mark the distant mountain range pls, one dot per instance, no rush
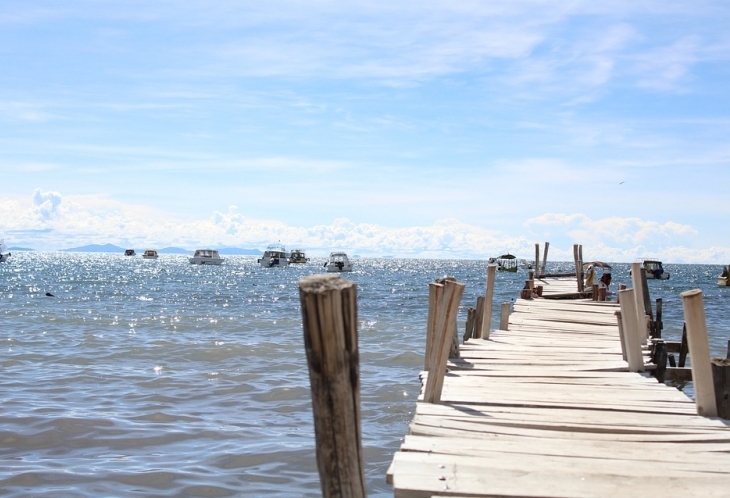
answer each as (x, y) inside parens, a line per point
(166, 250)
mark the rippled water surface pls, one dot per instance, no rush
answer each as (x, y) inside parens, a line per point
(160, 378)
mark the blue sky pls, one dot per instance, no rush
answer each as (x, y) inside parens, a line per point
(411, 129)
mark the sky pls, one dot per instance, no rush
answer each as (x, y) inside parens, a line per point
(429, 129)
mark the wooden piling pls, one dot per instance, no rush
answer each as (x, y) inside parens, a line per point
(658, 324)
(721, 381)
(488, 302)
(639, 297)
(469, 328)
(536, 268)
(329, 321)
(504, 316)
(445, 328)
(699, 352)
(631, 331)
(577, 259)
(477, 334)
(544, 259)
(659, 357)
(434, 296)
(683, 347)
(617, 314)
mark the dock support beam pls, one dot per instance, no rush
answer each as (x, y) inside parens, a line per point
(446, 309)
(631, 331)
(504, 316)
(488, 302)
(329, 320)
(699, 352)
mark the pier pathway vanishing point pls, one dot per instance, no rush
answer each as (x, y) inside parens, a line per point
(549, 408)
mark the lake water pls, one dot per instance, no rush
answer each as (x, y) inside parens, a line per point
(161, 378)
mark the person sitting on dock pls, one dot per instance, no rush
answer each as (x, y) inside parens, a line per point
(605, 281)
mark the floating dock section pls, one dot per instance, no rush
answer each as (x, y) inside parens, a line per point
(550, 408)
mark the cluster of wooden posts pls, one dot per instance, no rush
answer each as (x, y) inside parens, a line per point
(329, 313)
(639, 331)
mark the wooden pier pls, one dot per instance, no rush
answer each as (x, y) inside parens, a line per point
(550, 408)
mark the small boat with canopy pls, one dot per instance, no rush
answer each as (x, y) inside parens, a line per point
(505, 262)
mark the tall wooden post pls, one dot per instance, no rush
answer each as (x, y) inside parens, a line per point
(621, 336)
(329, 320)
(699, 352)
(488, 302)
(445, 328)
(537, 259)
(544, 259)
(630, 329)
(434, 296)
(721, 377)
(504, 316)
(478, 318)
(578, 259)
(469, 328)
(639, 297)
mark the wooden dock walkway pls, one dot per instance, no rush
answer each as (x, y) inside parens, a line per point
(549, 408)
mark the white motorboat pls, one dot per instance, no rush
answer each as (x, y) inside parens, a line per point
(206, 257)
(654, 269)
(338, 262)
(4, 251)
(150, 254)
(130, 252)
(724, 278)
(505, 262)
(274, 257)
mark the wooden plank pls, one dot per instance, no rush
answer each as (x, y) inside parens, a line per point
(417, 474)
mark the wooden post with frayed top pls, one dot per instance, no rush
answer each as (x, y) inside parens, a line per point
(329, 320)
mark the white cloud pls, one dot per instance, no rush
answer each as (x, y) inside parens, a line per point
(611, 230)
(51, 221)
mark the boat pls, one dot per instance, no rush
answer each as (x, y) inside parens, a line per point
(150, 254)
(206, 257)
(654, 269)
(298, 256)
(130, 252)
(505, 262)
(274, 257)
(724, 278)
(338, 262)
(4, 252)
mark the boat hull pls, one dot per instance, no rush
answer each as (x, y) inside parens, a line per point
(723, 281)
(337, 269)
(205, 261)
(652, 276)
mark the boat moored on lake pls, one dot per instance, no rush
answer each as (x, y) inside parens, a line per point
(4, 252)
(130, 252)
(274, 257)
(150, 254)
(338, 262)
(505, 262)
(206, 257)
(298, 256)
(724, 279)
(654, 269)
